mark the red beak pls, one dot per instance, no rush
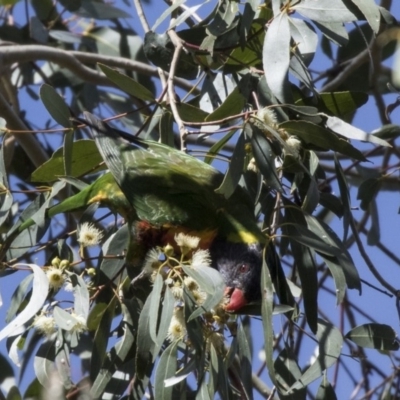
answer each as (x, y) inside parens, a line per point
(236, 299)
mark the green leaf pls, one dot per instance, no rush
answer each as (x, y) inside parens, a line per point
(210, 281)
(145, 344)
(127, 84)
(264, 156)
(235, 169)
(287, 373)
(326, 391)
(389, 131)
(101, 11)
(166, 13)
(340, 104)
(165, 319)
(166, 369)
(232, 105)
(266, 313)
(374, 235)
(154, 306)
(305, 37)
(43, 363)
(217, 146)
(64, 319)
(245, 360)
(193, 326)
(63, 363)
(40, 289)
(344, 196)
(18, 297)
(6, 198)
(324, 11)
(100, 341)
(81, 295)
(371, 12)
(85, 158)
(190, 113)
(113, 368)
(344, 261)
(276, 63)
(351, 132)
(368, 191)
(306, 237)
(323, 138)
(330, 345)
(374, 336)
(55, 105)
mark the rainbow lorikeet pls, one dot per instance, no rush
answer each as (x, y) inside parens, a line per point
(171, 191)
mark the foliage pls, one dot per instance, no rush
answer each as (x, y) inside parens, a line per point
(230, 81)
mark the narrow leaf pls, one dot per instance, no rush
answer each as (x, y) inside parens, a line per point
(276, 63)
(40, 288)
(55, 105)
(330, 345)
(166, 369)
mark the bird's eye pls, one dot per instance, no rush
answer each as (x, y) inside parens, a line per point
(244, 268)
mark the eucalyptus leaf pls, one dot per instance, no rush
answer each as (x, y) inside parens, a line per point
(55, 105)
(276, 64)
(40, 288)
(374, 336)
(127, 84)
(85, 157)
(235, 169)
(325, 11)
(330, 345)
(166, 369)
(325, 391)
(211, 282)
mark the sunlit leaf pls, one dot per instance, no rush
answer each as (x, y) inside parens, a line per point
(40, 287)
(325, 11)
(276, 64)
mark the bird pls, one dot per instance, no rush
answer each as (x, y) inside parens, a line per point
(170, 191)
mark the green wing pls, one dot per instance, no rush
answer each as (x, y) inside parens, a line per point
(167, 186)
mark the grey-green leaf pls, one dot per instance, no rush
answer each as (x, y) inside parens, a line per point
(55, 105)
(324, 11)
(166, 369)
(330, 345)
(40, 288)
(374, 336)
(276, 63)
(209, 280)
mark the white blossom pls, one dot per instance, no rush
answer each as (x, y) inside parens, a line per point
(44, 324)
(80, 323)
(55, 277)
(89, 235)
(152, 260)
(201, 258)
(186, 242)
(177, 327)
(268, 116)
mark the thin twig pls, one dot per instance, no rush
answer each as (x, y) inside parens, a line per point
(171, 90)
(141, 15)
